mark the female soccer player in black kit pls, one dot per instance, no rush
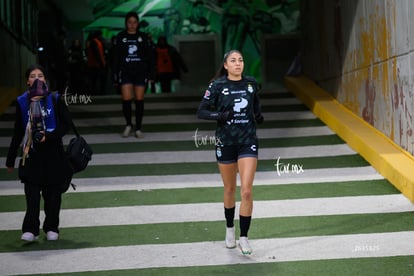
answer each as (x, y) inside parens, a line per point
(134, 67)
(231, 99)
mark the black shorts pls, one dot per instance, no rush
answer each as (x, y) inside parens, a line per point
(230, 154)
(134, 78)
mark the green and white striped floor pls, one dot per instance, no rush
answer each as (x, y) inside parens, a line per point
(153, 206)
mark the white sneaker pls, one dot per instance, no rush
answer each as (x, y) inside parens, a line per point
(52, 236)
(126, 132)
(230, 237)
(139, 134)
(29, 237)
(245, 246)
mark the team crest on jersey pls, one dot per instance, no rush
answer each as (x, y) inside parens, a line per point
(250, 88)
(225, 91)
(218, 152)
(207, 94)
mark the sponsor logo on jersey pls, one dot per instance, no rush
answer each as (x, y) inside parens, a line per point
(225, 91)
(238, 92)
(132, 49)
(239, 104)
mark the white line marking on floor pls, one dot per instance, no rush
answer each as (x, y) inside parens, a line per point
(172, 118)
(205, 180)
(76, 108)
(108, 138)
(170, 213)
(208, 253)
(194, 156)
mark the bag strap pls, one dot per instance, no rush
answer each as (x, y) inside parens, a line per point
(74, 129)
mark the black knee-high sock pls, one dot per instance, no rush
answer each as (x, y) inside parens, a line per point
(244, 225)
(229, 215)
(139, 113)
(127, 111)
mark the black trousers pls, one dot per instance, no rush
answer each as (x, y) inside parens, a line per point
(165, 80)
(52, 202)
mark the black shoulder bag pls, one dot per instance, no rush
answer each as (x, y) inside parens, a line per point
(78, 152)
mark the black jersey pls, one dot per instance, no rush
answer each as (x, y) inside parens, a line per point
(134, 53)
(242, 99)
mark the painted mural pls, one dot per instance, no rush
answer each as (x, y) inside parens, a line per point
(238, 23)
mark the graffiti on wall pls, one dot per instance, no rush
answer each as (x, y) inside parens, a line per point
(365, 60)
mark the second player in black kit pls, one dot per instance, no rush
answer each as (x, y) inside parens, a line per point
(134, 66)
(134, 56)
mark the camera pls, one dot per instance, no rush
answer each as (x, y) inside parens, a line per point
(37, 136)
(38, 133)
(37, 122)
(38, 129)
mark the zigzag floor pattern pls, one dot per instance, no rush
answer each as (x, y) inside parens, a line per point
(153, 206)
